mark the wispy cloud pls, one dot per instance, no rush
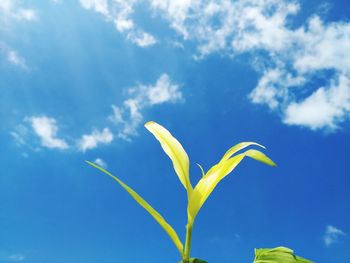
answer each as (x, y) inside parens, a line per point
(19, 134)
(17, 60)
(91, 141)
(6, 256)
(46, 129)
(120, 13)
(129, 116)
(332, 235)
(57, 2)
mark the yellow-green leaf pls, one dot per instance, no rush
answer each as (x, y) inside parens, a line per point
(237, 148)
(208, 183)
(234, 149)
(161, 221)
(259, 156)
(278, 255)
(175, 151)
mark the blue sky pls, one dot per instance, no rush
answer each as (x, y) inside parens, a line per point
(78, 80)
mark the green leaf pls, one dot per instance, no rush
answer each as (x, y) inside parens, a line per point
(175, 151)
(161, 221)
(278, 255)
(259, 156)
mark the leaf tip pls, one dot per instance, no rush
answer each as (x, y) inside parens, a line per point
(149, 123)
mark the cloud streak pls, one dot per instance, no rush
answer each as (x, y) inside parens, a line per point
(12, 12)
(12, 56)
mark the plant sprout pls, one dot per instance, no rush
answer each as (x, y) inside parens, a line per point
(197, 195)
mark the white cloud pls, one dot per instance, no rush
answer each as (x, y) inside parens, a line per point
(128, 116)
(101, 163)
(273, 87)
(46, 128)
(120, 13)
(10, 9)
(332, 235)
(323, 46)
(100, 6)
(325, 107)
(230, 26)
(291, 56)
(142, 39)
(163, 91)
(26, 14)
(313, 50)
(91, 141)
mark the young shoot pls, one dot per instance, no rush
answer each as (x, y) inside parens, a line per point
(198, 194)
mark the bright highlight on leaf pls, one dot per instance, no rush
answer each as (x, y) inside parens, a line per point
(278, 255)
(200, 193)
(175, 151)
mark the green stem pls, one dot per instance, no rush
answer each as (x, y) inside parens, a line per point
(186, 255)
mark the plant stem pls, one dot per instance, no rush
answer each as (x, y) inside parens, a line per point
(186, 255)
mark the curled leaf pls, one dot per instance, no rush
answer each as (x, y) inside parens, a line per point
(234, 149)
(202, 170)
